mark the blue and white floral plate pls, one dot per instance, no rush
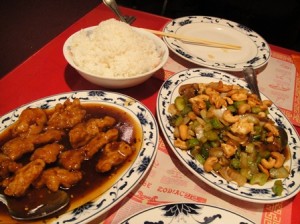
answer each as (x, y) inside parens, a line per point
(186, 213)
(137, 170)
(252, 193)
(255, 50)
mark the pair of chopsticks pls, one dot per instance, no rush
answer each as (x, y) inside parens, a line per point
(194, 40)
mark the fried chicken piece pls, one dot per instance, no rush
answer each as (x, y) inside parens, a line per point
(20, 182)
(99, 141)
(56, 176)
(72, 159)
(82, 133)
(7, 166)
(66, 115)
(48, 153)
(46, 137)
(31, 121)
(114, 154)
(17, 147)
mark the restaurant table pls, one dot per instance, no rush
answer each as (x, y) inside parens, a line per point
(47, 73)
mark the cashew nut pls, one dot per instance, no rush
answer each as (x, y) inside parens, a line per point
(267, 103)
(264, 170)
(229, 100)
(217, 100)
(253, 100)
(270, 138)
(224, 161)
(230, 93)
(244, 108)
(279, 159)
(180, 144)
(262, 114)
(221, 87)
(201, 97)
(209, 163)
(198, 103)
(227, 116)
(239, 96)
(263, 107)
(192, 115)
(210, 91)
(183, 131)
(270, 127)
(242, 139)
(268, 164)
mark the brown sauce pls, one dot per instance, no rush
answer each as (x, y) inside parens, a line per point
(93, 184)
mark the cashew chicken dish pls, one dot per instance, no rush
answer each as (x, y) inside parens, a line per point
(62, 147)
(227, 129)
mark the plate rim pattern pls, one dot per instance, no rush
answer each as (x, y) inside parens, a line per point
(187, 211)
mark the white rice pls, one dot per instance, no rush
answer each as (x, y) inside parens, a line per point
(115, 49)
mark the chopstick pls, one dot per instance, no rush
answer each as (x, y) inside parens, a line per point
(196, 40)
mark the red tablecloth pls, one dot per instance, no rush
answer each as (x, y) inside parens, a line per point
(47, 73)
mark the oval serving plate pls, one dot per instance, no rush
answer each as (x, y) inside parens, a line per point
(132, 175)
(254, 51)
(186, 213)
(252, 193)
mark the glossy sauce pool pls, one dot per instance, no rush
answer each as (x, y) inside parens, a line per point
(93, 184)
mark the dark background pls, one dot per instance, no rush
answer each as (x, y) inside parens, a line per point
(277, 21)
(27, 25)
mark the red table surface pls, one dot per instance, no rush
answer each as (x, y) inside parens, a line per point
(47, 73)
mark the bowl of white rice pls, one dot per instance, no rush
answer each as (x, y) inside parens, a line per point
(115, 55)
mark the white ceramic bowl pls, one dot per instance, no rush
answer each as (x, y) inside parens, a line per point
(118, 82)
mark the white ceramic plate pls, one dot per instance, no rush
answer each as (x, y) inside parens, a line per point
(255, 51)
(252, 193)
(186, 213)
(132, 176)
